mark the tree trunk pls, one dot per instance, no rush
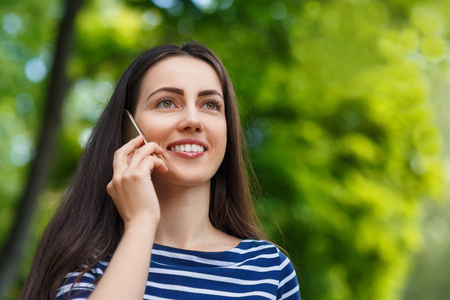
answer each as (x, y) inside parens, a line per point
(12, 252)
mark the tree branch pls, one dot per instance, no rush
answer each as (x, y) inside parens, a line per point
(12, 252)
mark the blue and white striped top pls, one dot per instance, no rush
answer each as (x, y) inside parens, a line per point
(255, 269)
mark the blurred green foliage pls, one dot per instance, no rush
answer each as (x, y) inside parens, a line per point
(335, 100)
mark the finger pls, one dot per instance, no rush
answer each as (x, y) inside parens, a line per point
(161, 166)
(133, 144)
(151, 162)
(110, 189)
(140, 154)
(121, 155)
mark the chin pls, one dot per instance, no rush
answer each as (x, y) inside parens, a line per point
(182, 179)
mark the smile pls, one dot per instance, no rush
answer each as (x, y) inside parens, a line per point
(188, 148)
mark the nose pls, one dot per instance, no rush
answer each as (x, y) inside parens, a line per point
(191, 120)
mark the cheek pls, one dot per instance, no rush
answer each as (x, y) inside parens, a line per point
(154, 128)
(222, 136)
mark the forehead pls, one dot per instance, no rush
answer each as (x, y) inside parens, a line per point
(183, 72)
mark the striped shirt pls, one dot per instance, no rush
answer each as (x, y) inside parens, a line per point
(255, 269)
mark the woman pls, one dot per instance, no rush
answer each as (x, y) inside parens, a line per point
(167, 219)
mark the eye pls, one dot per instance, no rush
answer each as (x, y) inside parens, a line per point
(212, 104)
(166, 103)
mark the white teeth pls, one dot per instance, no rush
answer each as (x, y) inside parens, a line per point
(188, 148)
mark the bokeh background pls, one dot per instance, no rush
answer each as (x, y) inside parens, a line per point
(345, 106)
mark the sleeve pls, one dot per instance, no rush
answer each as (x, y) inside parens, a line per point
(82, 288)
(288, 287)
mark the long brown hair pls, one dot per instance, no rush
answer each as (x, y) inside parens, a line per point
(87, 227)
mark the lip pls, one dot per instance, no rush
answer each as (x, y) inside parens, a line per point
(187, 154)
(187, 141)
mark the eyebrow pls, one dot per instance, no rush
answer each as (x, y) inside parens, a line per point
(167, 89)
(181, 92)
(210, 92)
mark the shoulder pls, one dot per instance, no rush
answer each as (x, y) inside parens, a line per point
(258, 247)
(269, 256)
(263, 251)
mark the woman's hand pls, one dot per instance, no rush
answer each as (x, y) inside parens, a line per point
(131, 187)
(132, 191)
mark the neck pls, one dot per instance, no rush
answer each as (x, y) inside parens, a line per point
(184, 216)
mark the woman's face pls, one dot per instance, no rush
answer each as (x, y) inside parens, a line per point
(181, 108)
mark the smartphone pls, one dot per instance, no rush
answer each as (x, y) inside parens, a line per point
(130, 128)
